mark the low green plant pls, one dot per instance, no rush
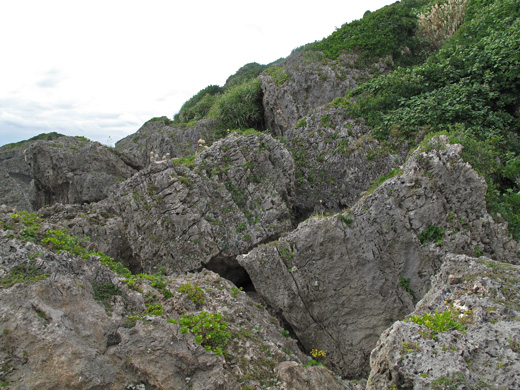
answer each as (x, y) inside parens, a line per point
(404, 283)
(194, 292)
(23, 273)
(209, 329)
(431, 234)
(104, 292)
(344, 219)
(285, 333)
(440, 322)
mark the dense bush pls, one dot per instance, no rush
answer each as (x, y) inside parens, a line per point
(470, 90)
(244, 74)
(377, 34)
(241, 106)
(198, 106)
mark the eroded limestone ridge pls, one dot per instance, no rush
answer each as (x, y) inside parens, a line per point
(67, 321)
(341, 280)
(472, 339)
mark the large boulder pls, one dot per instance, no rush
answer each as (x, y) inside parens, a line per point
(304, 80)
(74, 170)
(158, 139)
(69, 322)
(15, 176)
(340, 281)
(476, 345)
(336, 160)
(184, 215)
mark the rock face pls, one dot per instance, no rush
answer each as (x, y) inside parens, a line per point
(69, 322)
(234, 196)
(336, 160)
(157, 139)
(483, 295)
(15, 176)
(74, 170)
(292, 89)
(339, 281)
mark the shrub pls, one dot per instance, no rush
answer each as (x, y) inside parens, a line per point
(209, 330)
(431, 234)
(241, 106)
(103, 292)
(440, 322)
(195, 293)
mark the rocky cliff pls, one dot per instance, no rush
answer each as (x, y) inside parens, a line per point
(365, 242)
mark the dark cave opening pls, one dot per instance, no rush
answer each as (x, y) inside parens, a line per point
(229, 269)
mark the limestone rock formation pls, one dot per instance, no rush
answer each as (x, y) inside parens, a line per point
(482, 296)
(157, 139)
(293, 88)
(69, 322)
(336, 160)
(234, 196)
(74, 170)
(339, 281)
(15, 176)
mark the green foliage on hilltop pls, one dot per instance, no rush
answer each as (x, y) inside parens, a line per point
(244, 74)
(470, 90)
(198, 106)
(386, 31)
(241, 106)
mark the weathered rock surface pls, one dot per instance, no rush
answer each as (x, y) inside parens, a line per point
(15, 176)
(157, 139)
(485, 294)
(74, 170)
(336, 160)
(297, 87)
(340, 281)
(304, 81)
(63, 328)
(235, 195)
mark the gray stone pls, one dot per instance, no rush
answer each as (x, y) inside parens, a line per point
(157, 140)
(485, 355)
(235, 195)
(74, 170)
(339, 281)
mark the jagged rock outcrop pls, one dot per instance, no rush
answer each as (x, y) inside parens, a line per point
(69, 322)
(234, 196)
(336, 160)
(304, 81)
(15, 176)
(97, 223)
(340, 281)
(483, 296)
(157, 139)
(74, 170)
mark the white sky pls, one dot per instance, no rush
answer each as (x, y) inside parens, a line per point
(102, 68)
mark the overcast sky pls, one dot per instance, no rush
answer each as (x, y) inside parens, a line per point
(102, 68)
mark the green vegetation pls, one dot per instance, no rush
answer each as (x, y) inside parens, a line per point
(241, 106)
(469, 89)
(195, 293)
(431, 234)
(199, 105)
(279, 74)
(245, 74)
(209, 329)
(167, 121)
(25, 273)
(382, 179)
(404, 283)
(440, 322)
(376, 35)
(104, 292)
